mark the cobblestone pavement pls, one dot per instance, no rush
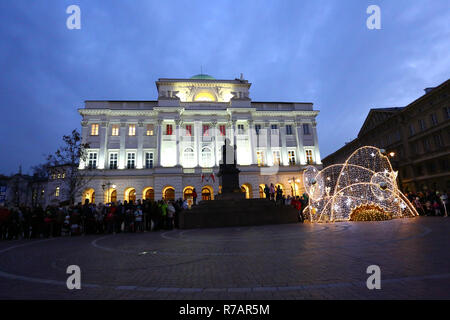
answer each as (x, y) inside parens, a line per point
(295, 261)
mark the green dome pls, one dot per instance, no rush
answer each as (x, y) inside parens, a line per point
(203, 76)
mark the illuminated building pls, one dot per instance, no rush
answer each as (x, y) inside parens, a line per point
(166, 147)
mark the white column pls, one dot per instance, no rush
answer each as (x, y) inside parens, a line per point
(103, 132)
(198, 136)
(251, 136)
(159, 144)
(283, 150)
(299, 137)
(177, 137)
(269, 156)
(317, 159)
(140, 143)
(214, 128)
(233, 128)
(122, 156)
(84, 135)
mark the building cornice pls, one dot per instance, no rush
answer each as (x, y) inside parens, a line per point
(118, 113)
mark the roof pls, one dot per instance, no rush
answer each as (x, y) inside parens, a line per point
(203, 76)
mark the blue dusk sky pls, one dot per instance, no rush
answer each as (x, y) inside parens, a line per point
(316, 51)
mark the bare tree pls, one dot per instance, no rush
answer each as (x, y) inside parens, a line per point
(65, 162)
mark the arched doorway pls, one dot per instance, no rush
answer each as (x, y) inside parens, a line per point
(262, 195)
(130, 195)
(207, 193)
(113, 197)
(168, 193)
(89, 194)
(187, 195)
(148, 194)
(247, 188)
(110, 195)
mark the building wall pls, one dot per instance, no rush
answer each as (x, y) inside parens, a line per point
(230, 106)
(422, 154)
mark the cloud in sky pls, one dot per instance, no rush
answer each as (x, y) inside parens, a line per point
(315, 51)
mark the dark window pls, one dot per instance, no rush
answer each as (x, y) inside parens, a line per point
(433, 119)
(422, 125)
(257, 128)
(437, 140)
(446, 113)
(289, 129)
(306, 129)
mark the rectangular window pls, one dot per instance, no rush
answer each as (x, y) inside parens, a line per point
(241, 129)
(276, 157)
(257, 129)
(189, 130)
(309, 157)
(94, 129)
(291, 156)
(149, 160)
(131, 160)
(205, 130)
(437, 140)
(422, 125)
(132, 130)
(412, 131)
(306, 129)
(426, 144)
(57, 192)
(113, 160)
(433, 119)
(289, 129)
(150, 129)
(260, 158)
(446, 111)
(223, 130)
(92, 160)
(169, 129)
(115, 130)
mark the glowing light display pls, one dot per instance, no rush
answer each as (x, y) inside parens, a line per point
(365, 180)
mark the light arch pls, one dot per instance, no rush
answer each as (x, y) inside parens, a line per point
(205, 96)
(207, 192)
(110, 195)
(247, 188)
(129, 194)
(89, 194)
(168, 193)
(148, 193)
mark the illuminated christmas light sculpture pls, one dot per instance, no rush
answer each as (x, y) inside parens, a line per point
(363, 188)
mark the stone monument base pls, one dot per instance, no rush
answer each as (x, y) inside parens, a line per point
(236, 212)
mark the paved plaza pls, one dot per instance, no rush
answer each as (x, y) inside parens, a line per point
(293, 261)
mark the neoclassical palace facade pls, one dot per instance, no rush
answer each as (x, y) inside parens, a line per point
(163, 149)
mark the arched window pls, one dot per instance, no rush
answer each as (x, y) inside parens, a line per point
(188, 157)
(206, 157)
(206, 193)
(169, 193)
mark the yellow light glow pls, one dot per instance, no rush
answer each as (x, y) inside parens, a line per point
(204, 96)
(366, 179)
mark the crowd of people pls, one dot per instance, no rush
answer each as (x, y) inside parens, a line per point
(428, 203)
(89, 218)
